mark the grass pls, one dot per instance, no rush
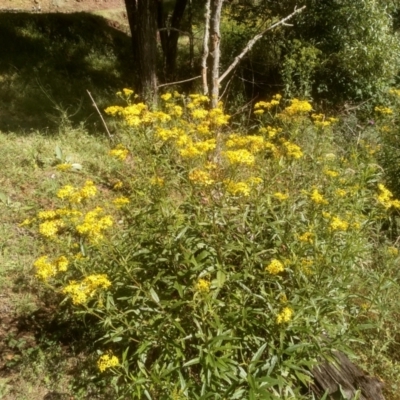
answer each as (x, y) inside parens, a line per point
(47, 63)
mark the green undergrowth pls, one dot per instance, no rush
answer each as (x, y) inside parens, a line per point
(191, 259)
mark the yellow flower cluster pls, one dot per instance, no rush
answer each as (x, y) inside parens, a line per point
(338, 224)
(46, 269)
(241, 156)
(306, 237)
(267, 105)
(64, 167)
(157, 181)
(275, 267)
(317, 197)
(200, 177)
(396, 92)
(118, 185)
(393, 251)
(385, 197)
(281, 196)
(74, 195)
(237, 188)
(203, 285)
(292, 150)
(121, 201)
(284, 316)
(119, 152)
(383, 110)
(297, 107)
(253, 142)
(107, 361)
(270, 131)
(321, 122)
(80, 292)
(166, 96)
(331, 173)
(94, 224)
(306, 265)
(49, 229)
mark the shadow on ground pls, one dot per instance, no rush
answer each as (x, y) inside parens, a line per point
(48, 61)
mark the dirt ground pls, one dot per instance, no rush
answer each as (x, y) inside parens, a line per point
(60, 5)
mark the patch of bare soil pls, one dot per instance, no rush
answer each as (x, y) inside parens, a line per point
(63, 6)
(114, 11)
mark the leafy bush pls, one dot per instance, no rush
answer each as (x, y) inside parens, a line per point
(221, 263)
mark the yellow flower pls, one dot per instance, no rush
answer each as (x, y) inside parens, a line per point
(119, 152)
(80, 292)
(237, 188)
(63, 167)
(241, 156)
(197, 176)
(49, 214)
(93, 225)
(62, 263)
(306, 237)
(199, 113)
(306, 265)
(284, 316)
(44, 268)
(317, 197)
(121, 201)
(394, 251)
(50, 228)
(338, 225)
(65, 192)
(157, 181)
(127, 92)
(118, 185)
(384, 110)
(107, 361)
(281, 196)
(26, 222)
(331, 173)
(292, 150)
(340, 192)
(275, 267)
(385, 197)
(255, 180)
(166, 96)
(203, 285)
(88, 190)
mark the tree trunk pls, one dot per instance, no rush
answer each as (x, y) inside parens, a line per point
(142, 17)
(347, 378)
(169, 35)
(215, 52)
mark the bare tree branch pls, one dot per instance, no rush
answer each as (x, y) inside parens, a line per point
(175, 83)
(251, 43)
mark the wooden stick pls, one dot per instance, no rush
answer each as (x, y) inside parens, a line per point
(104, 122)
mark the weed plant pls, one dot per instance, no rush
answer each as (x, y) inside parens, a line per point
(222, 263)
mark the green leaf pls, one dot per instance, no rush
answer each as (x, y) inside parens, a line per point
(193, 361)
(259, 352)
(221, 277)
(59, 154)
(154, 296)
